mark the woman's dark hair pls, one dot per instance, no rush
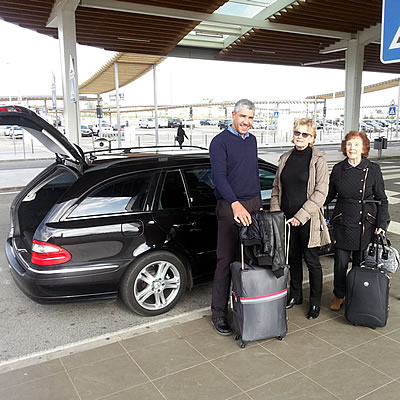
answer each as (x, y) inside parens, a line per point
(355, 134)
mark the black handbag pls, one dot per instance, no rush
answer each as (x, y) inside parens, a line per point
(381, 252)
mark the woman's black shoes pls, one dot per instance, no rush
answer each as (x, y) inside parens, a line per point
(292, 302)
(313, 312)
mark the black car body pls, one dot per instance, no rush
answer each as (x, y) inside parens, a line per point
(95, 225)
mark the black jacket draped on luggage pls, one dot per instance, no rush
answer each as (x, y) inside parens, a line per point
(265, 237)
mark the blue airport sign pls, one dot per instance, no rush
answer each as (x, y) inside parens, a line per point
(390, 40)
(392, 110)
(276, 114)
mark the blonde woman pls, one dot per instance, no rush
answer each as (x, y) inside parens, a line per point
(299, 190)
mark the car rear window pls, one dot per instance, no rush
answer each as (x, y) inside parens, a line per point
(120, 196)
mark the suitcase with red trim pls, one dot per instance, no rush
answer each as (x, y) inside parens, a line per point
(258, 302)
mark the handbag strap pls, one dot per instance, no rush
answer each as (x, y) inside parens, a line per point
(384, 249)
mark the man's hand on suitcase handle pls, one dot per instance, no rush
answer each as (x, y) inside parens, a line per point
(240, 214)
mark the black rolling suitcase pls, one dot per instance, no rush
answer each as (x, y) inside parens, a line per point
(258, 302)
(367, 295)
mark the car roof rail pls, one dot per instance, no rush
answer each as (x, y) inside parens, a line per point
(139, 149)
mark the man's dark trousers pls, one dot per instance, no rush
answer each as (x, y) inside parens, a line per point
(228, 250)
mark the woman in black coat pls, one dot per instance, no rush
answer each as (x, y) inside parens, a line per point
(355, 181)
(180, 135)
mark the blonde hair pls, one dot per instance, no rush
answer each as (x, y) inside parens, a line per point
(311, 128)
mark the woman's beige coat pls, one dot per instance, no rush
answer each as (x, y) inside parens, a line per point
(317, 190)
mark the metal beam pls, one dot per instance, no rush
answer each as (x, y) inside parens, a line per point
(65, 4)
(365, 37)
(256, 22)
(218, 28)
(369, 35)
(207, 42)
(334, 47)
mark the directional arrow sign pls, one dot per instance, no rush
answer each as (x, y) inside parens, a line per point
(390, 41)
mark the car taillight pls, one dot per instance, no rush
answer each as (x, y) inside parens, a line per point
(10, 109)
(48, 254)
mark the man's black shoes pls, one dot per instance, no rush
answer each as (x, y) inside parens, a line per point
(221, 326)
(313, 312)
(292, 302)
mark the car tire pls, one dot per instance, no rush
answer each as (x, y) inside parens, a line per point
(154, 283)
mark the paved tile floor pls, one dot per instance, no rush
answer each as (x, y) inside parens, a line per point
(324, 359)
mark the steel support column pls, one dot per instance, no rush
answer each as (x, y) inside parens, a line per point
(117, 103)
(67, 45)
(352, 97)
(155, 104)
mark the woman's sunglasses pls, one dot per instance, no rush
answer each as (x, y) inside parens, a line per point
(298, 133)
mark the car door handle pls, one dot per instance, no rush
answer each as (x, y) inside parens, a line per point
(191, 225)
(131, 228)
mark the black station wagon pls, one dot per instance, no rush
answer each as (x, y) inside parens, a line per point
(128, 222)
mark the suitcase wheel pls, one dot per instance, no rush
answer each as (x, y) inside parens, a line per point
(242, 344)
(280, 337)
(237, 337)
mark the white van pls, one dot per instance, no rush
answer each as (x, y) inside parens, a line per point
(151, 123)
(105, 128)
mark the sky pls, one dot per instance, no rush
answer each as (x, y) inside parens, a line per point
(28, 60)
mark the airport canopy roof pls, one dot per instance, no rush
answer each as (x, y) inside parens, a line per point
(366, 89)
(130, 67)
(284, 32)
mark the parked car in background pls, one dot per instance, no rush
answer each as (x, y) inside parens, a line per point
(146, 123)
(187, 123)
(366, 127)
(7, 130)
(375, 126)
(122, 128)
(224, 123)
(16, 132)
(259, 124)
(174, 122)
(106, 224)
(206, 121)
(86, 131)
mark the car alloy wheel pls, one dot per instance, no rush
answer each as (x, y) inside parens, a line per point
(154, 284)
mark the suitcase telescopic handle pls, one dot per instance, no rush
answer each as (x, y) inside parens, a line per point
(287, 241)
(242, 254)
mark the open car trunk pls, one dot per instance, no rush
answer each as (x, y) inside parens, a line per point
(36, 200)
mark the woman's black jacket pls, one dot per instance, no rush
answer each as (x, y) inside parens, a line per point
(353, 219)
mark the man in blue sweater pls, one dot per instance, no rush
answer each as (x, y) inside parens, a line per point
(234, 166)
